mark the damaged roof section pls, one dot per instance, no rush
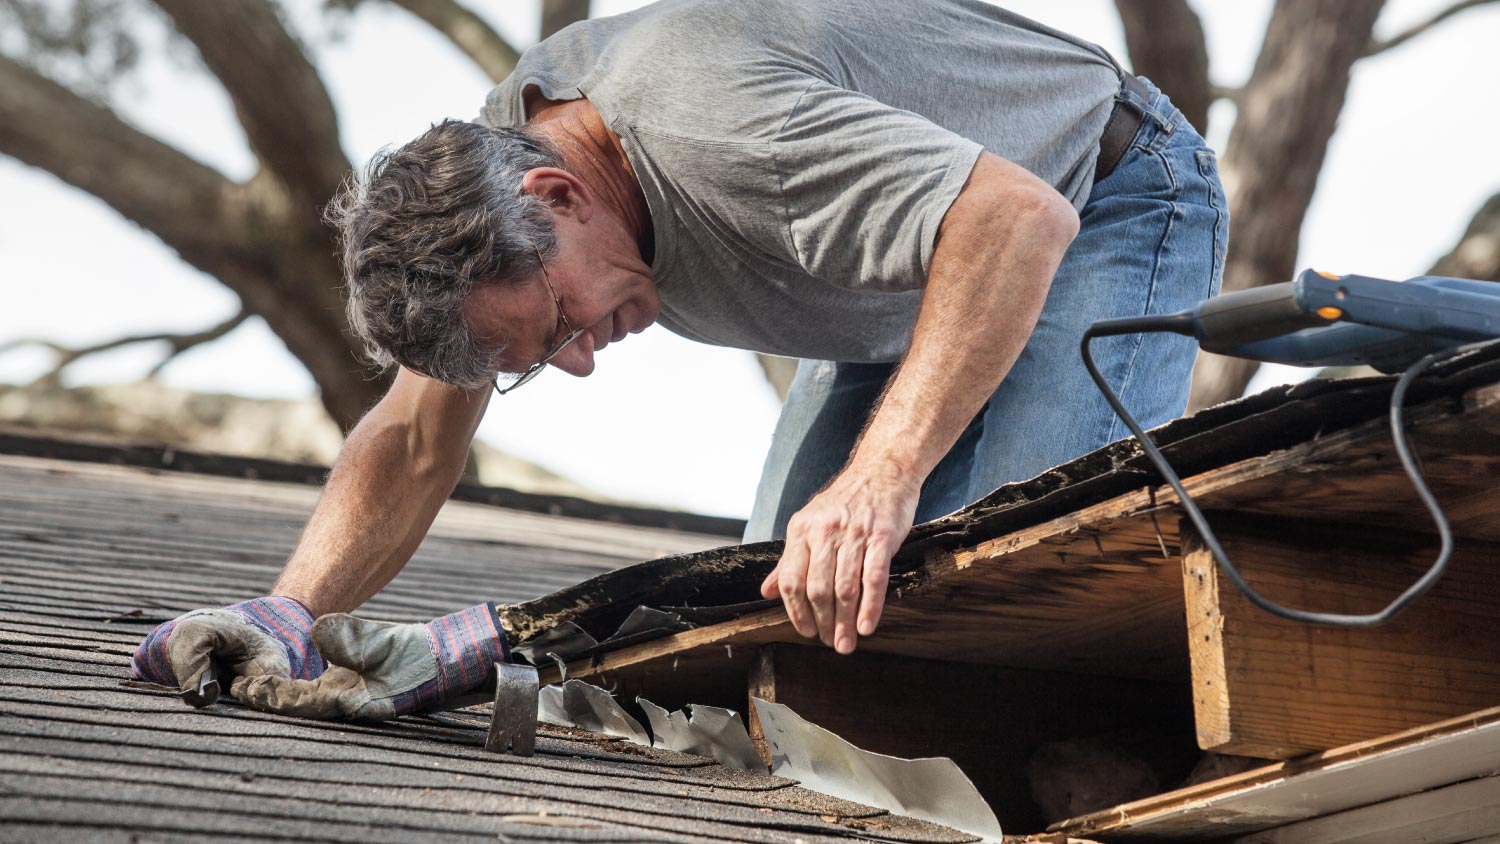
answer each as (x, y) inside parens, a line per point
(708, 587)
(91, 557)
(1076, 605)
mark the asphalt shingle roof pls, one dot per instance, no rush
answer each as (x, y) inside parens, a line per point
(93, 556)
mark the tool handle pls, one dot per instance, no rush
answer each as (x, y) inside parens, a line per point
(214, 680)
(1225, 323)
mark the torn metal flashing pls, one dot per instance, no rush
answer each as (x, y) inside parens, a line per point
(933, 789)
(579, 704)
(710, 731)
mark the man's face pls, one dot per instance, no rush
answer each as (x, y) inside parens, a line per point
(605, 289)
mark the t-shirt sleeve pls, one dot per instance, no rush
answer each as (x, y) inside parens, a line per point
(865, 187)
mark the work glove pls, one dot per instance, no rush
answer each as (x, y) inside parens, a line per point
(262, 636)
(378, 670)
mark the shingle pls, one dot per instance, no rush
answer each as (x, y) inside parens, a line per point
(92, 557)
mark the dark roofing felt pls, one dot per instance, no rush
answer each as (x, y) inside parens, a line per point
(92, 556)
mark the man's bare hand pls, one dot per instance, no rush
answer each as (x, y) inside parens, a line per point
(833, 572)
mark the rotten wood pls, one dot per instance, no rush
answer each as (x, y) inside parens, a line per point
(1289, 419)
(1092, 591)
(760, 684)
(1099, 592)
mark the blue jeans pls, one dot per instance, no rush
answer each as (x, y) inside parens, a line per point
(1152, 241)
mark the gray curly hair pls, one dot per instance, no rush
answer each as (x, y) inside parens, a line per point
(427, 222)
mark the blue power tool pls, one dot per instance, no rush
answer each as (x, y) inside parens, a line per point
(1326, 320)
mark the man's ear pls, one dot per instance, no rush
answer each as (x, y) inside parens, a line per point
(563, 192)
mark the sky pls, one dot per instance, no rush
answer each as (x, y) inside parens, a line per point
(663, 420)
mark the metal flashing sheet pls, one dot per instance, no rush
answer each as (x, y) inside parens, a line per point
(930, 789)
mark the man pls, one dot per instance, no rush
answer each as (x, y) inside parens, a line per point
(925, 202)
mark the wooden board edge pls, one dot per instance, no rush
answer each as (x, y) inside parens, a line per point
(1205, 632)
(754, 629)
(1124, 817)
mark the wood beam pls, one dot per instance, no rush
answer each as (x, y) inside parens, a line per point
(1269, 687)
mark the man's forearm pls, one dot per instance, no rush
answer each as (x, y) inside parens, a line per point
(395, 471)
(998, 248)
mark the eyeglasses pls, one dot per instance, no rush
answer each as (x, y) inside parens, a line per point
(568, 333)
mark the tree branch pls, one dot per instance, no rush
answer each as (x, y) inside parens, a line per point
(1400, 38)
(557, 14)
(277, 93)
(86, 145)
(1165, 39)
(280, 263)
(469, 32)
(1287, 114)
(178, 343)
(1477, 253)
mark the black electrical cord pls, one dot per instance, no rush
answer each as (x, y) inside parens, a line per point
(1182, 323)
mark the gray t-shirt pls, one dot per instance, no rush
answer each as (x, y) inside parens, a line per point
(797, 156)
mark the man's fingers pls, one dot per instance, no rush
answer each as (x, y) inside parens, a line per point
(320, 699)
(822, 566)
(846, 588)
(770, 587)
(792, 583)
(198, 638)
(875, 579)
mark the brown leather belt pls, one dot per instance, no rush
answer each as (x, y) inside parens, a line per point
(1124, 121)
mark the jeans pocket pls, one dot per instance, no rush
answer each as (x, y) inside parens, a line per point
(1208, 168)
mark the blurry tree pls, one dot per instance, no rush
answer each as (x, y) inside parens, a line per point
(263, 238)
(1286, 114)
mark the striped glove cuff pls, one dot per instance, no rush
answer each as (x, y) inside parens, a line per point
(467, 645)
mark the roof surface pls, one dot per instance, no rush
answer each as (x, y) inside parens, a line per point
(93, 556)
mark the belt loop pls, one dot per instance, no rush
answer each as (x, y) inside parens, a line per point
(1132, 83)
(1125, 120)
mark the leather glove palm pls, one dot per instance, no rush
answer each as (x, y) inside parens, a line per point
(263, 636)
(379, 670)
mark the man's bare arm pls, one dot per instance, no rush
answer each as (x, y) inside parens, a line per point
(998, 247)
(398, 466)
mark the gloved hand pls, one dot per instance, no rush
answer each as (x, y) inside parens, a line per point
(378, 670)
(263, 636)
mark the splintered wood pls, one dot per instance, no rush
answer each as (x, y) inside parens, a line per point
(1330, 524)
